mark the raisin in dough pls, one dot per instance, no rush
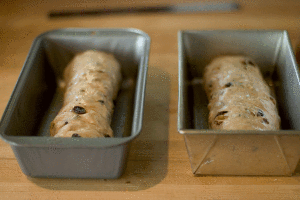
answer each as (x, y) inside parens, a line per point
(91, 83)
(239, 98)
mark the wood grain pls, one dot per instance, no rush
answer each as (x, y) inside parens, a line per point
(158, 165)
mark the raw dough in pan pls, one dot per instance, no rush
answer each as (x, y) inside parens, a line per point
(91, 82)
(239, 97)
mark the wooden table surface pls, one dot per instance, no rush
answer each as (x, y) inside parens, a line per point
(158, 165)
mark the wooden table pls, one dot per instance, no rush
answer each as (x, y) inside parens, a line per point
(158, 165)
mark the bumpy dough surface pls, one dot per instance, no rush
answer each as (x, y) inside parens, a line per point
(239, 97)
(91, 82)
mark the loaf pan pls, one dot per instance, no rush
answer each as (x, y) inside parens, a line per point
(36, 100)
(219, 152)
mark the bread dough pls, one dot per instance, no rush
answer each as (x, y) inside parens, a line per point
(239, 97)
(91, 82)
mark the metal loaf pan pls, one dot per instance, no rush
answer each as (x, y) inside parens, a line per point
(217, 152)
(36, 100)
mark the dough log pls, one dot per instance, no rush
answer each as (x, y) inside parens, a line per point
(91, 82)
(239, 97)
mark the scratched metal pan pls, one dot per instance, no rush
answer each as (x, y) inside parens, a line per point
(217, 152)
(36, 100)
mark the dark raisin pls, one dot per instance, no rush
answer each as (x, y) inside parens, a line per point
(265, 120)
(260, 113)
(82, 90)
(210, 85)
(217, 122)
(228, 84)
(106, 135)
(127, 181)
(251, 63)
(244, 62)
(101, 101)
(75, 135)
(66, 123)
(221, 113)
(79, 110)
